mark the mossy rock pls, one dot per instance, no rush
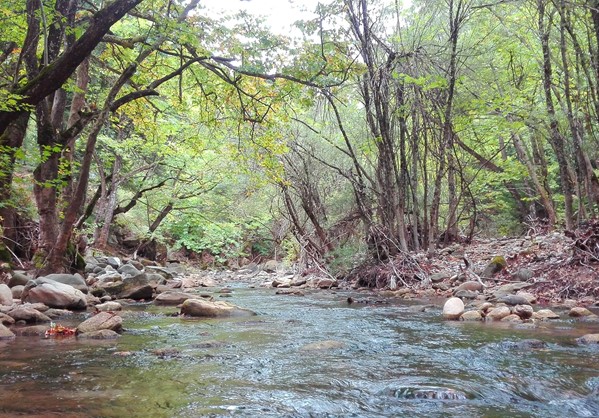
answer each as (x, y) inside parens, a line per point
(496, 265)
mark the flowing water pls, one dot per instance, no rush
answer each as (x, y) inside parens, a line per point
(387, 360)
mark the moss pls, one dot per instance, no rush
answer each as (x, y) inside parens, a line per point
(499, 261)
(496, 264)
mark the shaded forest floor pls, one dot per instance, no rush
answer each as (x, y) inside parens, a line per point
(556, 267)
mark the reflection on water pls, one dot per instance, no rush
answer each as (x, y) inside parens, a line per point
(387, 360)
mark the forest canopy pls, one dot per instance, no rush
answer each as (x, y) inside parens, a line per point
(367, 131)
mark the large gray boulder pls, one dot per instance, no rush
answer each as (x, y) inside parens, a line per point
(5, 295)
(136, 287)
(75, 280)
(53, 294)
(210, 309)
(102, 320)
(171, 298)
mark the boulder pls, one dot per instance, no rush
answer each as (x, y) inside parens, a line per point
(511, 318)
(588, 339)
(453, 308)
(101, 334)
(32, 331)
(75, 280)
(170, 298)
(18, 278)
(472, 285)
(155, 279)
(5, 295)
(135, 287)
(326, 283)
(5, 333)
(27, 314)
(513, 300)
(128, 270)
(532, 299)
(466, 294)
(53, 294)
(6, 320)
(102, 320)
(471, 316)
(439, 277)
(203, 282)
(497, 314)
(58, 313)
(17, 291)
(508, 289)
(109, 306)
(166, 273)
(523, 311)
(210, 309)
(579, 311)
(543, 314)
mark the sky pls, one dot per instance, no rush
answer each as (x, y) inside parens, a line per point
(280, 14)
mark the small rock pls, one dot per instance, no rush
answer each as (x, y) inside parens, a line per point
(466, 294)
(439, 277)
(326, 283)
(101, 334)
(171, 298)
(5, 333)
(5, 295)
(17, 291)
(6, 320)
(544, 314)
(513, 300)
(295, 292)
(523, 311)
(109, 306)
(472, 285)
(453, 308)
(511, 318)
(532, 299)
(32, 331)
(523, 274)
(471, 316)
(102, 320)
(497, 314)
(579, 311)
(441, 286)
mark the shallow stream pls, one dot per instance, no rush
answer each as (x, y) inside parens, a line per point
(388, 360)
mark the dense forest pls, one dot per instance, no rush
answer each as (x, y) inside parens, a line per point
(370, 130)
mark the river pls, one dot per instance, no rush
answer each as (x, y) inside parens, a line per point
(388, 359)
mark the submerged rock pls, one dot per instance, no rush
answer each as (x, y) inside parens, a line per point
(323, 345)
(453, 308)
(212, 309)
(102, 334)
(102, 320)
